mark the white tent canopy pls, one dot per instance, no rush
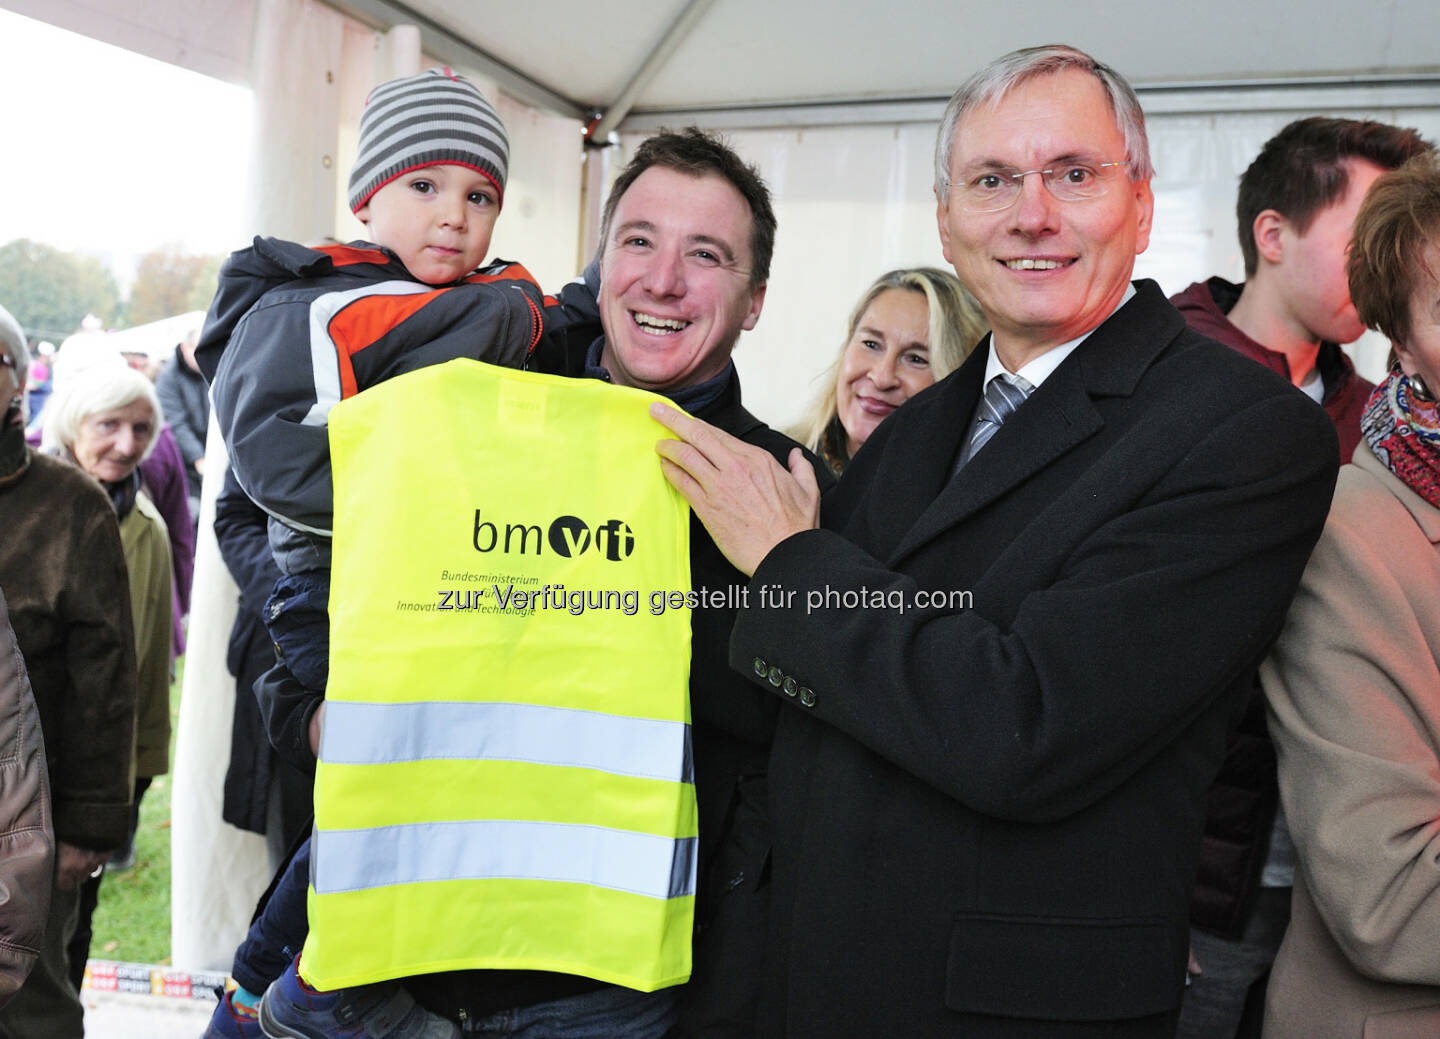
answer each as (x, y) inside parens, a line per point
(836, 104)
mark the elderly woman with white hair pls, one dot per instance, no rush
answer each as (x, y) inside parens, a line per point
(62, 569)
(104, 419)
(162, 472)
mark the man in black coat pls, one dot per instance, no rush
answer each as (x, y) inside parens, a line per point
(1008, 661)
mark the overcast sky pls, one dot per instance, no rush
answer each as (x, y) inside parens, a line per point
(111, 152)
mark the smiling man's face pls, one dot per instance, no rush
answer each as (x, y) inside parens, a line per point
(675, 288)
(1045, 271)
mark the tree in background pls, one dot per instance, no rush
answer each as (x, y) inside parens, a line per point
(170, 282)
(49, 290)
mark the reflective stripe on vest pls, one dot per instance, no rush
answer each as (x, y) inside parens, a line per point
(373, 734)
(507, 785)
(656, 867)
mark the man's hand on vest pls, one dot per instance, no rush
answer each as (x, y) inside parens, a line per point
(748, 503)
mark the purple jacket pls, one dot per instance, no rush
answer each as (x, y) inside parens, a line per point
(164, 476)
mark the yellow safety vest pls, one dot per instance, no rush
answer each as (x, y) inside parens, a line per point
(505, 775)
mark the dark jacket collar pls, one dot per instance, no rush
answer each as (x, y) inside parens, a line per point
(1207, 307)
(14, 455)
(693, 399)
(1058, 416)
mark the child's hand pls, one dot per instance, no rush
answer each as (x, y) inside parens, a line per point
(317, 721)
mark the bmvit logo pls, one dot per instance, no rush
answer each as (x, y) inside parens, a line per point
(567, 536)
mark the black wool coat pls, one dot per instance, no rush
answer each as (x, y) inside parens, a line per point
(986, 816)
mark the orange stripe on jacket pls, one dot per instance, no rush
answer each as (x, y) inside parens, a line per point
(512, 272)
(366, 320)
(343, 255)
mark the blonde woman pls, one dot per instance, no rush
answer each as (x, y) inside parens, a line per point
(910, 329)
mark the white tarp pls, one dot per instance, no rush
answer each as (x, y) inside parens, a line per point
(216, 870)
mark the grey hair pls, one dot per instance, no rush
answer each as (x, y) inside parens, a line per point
(12, 341)
(994, 81)
(89, 392)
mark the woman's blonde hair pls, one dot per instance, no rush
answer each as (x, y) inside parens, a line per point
(956, 325)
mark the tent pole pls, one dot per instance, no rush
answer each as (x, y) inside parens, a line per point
(674, 36)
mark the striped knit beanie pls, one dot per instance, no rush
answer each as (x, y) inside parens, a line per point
(428, 119)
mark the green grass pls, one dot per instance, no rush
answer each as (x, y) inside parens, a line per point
(132, 920)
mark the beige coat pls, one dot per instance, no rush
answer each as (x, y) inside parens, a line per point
(147, 559)
(1354, 692)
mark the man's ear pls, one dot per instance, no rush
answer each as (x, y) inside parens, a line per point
(1144, 215)
(757, 300)
(942, 218)
(1268, 231)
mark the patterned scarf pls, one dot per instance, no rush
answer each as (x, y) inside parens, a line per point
(1403, 429)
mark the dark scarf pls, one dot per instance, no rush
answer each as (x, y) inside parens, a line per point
(691, 398)
(1402, 427)
(122, 492)
(14, 454)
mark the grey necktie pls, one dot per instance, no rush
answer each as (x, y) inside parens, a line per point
(1003, 395)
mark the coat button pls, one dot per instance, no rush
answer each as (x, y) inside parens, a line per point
(775, 677)
(790, 686)
(807, 696)
(760, 666)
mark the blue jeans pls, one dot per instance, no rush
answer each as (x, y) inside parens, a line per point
(607, 1013)
(279, 931)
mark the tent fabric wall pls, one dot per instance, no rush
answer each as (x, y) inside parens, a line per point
(539, 222)
(216, 870)
(853, 202)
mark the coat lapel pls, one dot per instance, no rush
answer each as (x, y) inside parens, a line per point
(915, 455)
(1058, 416)
(1051, 422)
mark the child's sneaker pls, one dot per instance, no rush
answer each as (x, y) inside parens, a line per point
(230, 1022)
(292, 1009)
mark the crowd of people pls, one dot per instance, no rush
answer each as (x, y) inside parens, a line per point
(1072, 670)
